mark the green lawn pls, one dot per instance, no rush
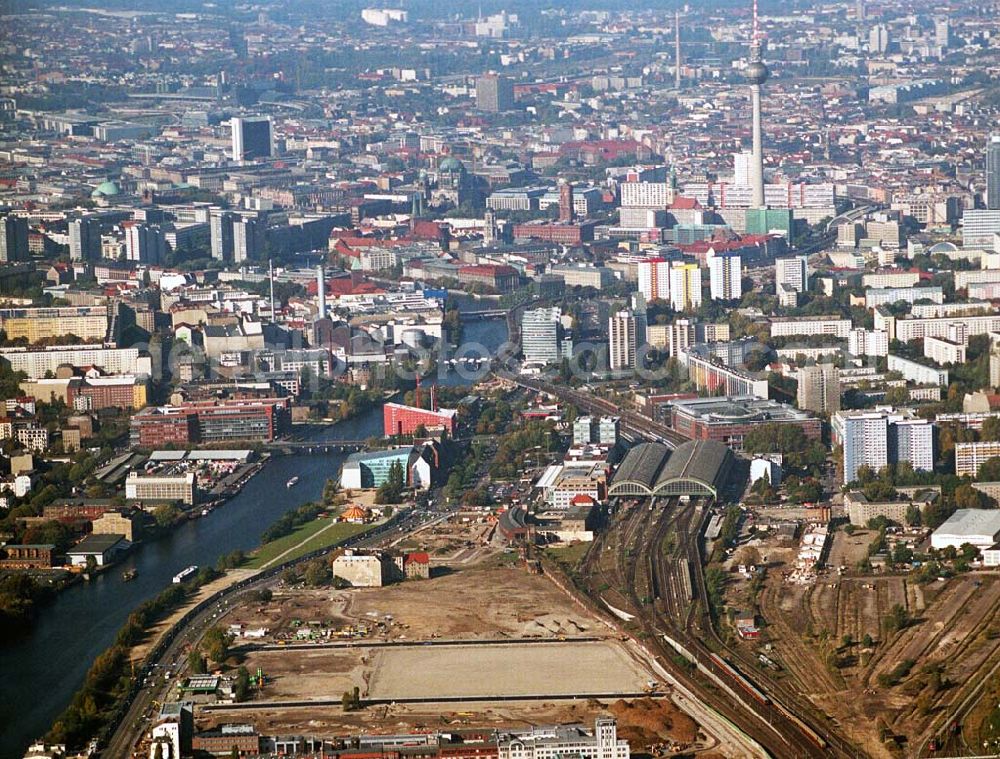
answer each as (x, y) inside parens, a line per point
(569, 557)
(307, 535)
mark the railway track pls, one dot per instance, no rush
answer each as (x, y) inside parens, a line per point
(653, 579)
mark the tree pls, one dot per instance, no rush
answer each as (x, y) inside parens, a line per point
(748, 556)
(967, 497)
(241, 688)
(158, 750)
(867, 641)
(215, 644)
(897, 619)
(196, 662)
(969, 551)
(166, 515)
(91, 565)
(989, 470)
(391, 491)
(991, 429)
(317, 573)
(901, 554)
(52, 532)
(913, 515)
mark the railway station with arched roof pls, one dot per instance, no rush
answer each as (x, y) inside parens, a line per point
(695, 468)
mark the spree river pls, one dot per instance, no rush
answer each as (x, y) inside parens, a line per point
(42, 671)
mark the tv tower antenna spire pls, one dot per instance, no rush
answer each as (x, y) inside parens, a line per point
(756, 74)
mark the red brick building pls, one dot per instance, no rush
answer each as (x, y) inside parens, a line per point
(404, 420)
(74, 511)
(502, 278)
(27, 557)
(565, 233)
(212, 421)
(222, 740)
(163, 425)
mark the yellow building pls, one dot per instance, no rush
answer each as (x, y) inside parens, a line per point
(34, 324)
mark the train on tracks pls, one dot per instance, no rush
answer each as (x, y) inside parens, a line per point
(758, 695)
(755, 692)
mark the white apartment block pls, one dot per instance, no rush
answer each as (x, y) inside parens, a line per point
(378, 259)
(891, 279)
(885, 233)
(979, 226)
(820, 325)
(880, 437)
(725, 273)
(682, 335)
(864, 438)
(880, 296)
(727, 195)
(918, 373)
(984, 290)
(942, 351)
(792, 272)
(559, 742)
(641, 218)
(36, 363)
(965, 278)
(863, 342)
(182, 487)
(657, 195)
(912, 440)
(905, 330)
(621, 340)
(32, 438)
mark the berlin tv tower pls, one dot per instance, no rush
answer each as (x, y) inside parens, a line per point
(756, 74)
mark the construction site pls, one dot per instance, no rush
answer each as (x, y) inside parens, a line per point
(485, 643)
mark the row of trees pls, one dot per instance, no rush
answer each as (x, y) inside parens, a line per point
(797, 450)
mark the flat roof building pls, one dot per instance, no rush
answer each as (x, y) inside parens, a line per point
(979, 527)
(728, 419)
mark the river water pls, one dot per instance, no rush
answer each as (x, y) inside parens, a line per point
(41, 671)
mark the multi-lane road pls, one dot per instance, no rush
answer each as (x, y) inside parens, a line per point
(159, 671)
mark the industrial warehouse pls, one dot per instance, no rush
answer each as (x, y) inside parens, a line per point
(695, 468)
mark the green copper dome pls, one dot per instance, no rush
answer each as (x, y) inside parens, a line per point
(106, 189)
(451, 164)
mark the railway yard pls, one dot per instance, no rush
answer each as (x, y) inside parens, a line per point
(646, 569)
(895, 692)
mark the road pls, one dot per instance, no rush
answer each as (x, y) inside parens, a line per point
(171, 658)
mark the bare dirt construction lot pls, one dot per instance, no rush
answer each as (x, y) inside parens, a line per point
(562, 668)
(324, 642)
(491, 599)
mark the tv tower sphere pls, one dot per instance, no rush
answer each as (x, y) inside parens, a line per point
(757, 72)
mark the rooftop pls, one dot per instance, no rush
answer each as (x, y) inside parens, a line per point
(95, 544)
(971, 522)
(737, 408)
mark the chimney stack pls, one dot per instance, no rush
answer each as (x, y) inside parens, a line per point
(321, 290)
